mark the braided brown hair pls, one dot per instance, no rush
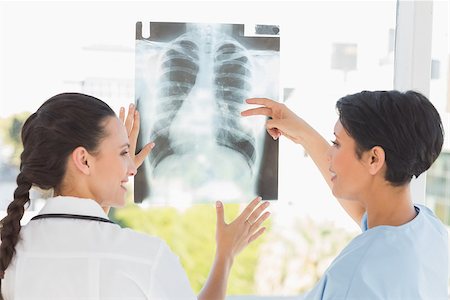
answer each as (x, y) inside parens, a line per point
(63, 123)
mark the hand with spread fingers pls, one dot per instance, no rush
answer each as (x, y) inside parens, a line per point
(232, 238)
(282, 120)
(132, 123)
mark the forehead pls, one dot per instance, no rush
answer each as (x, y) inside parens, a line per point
(340, 131)
(116, 133)
(338, 128)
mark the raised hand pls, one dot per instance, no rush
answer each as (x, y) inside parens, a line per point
(132, 123)
(231, 239)
(234, 237)
(282, 120)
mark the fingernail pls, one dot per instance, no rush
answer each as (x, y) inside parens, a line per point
(152, 145)
(259, 198)
(218, 204)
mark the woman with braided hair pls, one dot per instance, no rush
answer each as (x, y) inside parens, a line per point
(75, 145)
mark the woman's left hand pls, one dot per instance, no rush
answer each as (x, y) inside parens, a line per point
(132, 123)
(234, 237)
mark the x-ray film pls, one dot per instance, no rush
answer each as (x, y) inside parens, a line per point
(192, 80)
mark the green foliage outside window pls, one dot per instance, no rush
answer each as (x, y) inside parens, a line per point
(191, 235)
(280, 263)
(10, 129)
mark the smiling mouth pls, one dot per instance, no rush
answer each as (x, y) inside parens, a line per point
(333, 175)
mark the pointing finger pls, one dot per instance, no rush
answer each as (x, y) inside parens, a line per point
(261, 101)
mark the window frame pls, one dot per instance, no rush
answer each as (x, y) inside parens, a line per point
(412, 61)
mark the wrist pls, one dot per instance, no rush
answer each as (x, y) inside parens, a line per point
(304, 133)
(301, 130)
(224, 259)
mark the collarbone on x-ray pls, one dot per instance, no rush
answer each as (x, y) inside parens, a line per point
(191, 84)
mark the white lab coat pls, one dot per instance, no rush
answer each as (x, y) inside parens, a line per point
(66, 259)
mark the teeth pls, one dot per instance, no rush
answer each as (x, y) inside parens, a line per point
(333, 175)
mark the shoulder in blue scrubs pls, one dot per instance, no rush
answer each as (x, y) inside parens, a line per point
(390, 262)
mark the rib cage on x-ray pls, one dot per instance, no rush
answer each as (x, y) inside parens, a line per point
(191, 84)
(232, 72)
(180, 66)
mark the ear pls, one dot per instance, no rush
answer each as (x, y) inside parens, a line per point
(80, 158)
(376, 159)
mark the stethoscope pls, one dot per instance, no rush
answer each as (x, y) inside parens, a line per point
(70, 216)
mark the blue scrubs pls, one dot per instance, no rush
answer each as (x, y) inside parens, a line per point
(390, 262)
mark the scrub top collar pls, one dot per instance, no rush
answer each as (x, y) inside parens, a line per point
(413, 224)
(74, 206)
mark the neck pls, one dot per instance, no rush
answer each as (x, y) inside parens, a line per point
(106, 209)
(73, 186)
(73, 193)
(390, 206)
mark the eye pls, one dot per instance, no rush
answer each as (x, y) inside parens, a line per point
(335, 143)
(125, 153)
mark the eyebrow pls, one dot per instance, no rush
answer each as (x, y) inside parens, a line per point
(125, 145)
(335, 134)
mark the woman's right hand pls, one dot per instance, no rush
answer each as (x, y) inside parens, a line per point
(232, 238)
(282, 121)
(132, 125)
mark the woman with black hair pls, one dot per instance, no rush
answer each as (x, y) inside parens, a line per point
(75, 145)
(383, 139)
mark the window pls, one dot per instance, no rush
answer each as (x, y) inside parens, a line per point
(438, 177)
(328, 50)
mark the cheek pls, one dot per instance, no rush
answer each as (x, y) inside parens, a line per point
(126, 162)
(336, 158)
(342, 164)
(122, 166)
(113, 167)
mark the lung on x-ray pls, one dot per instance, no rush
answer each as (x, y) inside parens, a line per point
(192, 80)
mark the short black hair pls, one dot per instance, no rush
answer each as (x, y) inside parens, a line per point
(406, 125)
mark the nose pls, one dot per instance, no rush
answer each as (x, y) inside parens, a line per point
(132, 170)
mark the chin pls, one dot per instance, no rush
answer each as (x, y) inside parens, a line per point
(334, 191)
(338, 194)
(118, 204)
(335, 194)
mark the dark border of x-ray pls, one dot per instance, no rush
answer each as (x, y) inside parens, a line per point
(269, 163)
